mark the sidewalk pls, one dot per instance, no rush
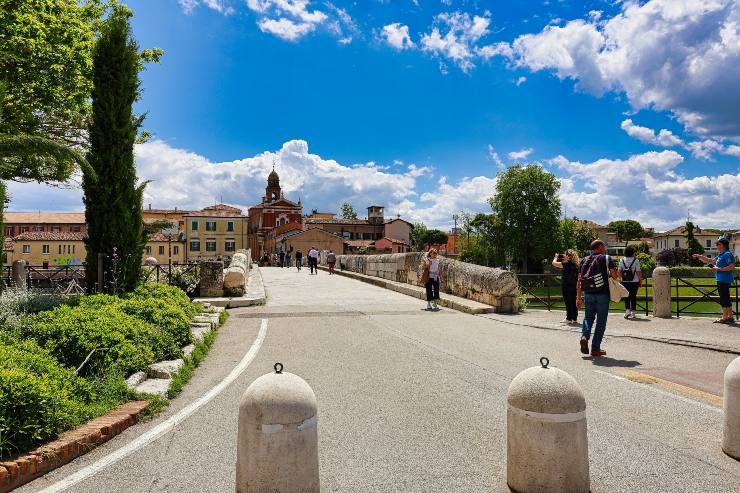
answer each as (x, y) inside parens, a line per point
(684, 331)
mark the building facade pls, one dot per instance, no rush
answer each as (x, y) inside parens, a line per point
(274, 211)
(214, 232)
(676, 238)
(41, 222)
(47, 249)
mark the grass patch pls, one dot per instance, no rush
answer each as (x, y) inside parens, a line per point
(191, 363)
(223, 317)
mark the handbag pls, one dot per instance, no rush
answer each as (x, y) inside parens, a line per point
(616, 290)
(425, 273)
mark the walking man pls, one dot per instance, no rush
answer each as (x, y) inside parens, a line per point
(331, 259)
(282, 259)
(722, 266)
(313, 260)
(287, 259)
(593, 280)
(298, 259)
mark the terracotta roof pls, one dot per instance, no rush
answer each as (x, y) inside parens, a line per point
(387, 221)
(8, 245)
(49, 236)
(681, 231)
(218, 210)
(319, 220)
(161, 237)
(169, 211)
(44, 218)
(359, 243)
(396, 241)
(274, 203)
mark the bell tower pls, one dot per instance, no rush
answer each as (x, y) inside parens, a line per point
(272, 192)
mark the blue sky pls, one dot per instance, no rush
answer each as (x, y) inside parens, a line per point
(419, 104)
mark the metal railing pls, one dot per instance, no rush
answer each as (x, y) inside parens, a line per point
(689, 296)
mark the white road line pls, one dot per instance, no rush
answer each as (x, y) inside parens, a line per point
(663, 392)
(165, 426)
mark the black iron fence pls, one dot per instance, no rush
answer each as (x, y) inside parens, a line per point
(689, 296)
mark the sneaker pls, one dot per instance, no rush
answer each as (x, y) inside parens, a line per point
(584, 345)
(429, 306)
(566, 321)
(574, 322)
(633, 315)
(723, 321)
(627, 314)
(434, 306)
(598, 353)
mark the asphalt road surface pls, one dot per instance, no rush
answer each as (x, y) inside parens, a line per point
(411, 400)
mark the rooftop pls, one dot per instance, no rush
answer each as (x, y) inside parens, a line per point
(49, 236)
(336, 220)
(218, 210)
(41, 217)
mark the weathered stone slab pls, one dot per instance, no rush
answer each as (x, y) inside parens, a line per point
(188, 350)
(212, 278)
(235, 277)
(165, 369)
(158, 386)
(199, 331)
(134, 380)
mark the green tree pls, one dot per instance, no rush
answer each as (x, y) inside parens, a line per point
(693, 244)
(584, 235)
(113, 202)
(484, 247)
(528, 207)
(642, 247)
(626, 230)
(348, 212)
(418, 236)
(435, 237)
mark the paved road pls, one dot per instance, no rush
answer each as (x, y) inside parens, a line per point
(415, 401)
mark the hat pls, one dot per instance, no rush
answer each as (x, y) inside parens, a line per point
(724, 241)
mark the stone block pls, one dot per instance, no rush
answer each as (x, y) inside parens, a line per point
(165, 369)
(212, 279)
(188, 350)
(134, 380)
(157, 386)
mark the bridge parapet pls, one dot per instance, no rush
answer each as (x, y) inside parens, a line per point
(496, 287)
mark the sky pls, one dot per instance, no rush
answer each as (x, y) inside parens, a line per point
(419, 104)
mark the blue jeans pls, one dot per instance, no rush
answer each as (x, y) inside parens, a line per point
(597, 308)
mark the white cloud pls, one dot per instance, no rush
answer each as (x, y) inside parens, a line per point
(521, 80)
(495, 157)
(664, 138)
(649, 188)
(455, 37)
(677, 55)
(705, 149)
(218, 5)
(438, 206)
(521, 155)
(293, 19)
(397, 36)
(733, 150)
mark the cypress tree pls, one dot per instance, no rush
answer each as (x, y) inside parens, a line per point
(113, 201)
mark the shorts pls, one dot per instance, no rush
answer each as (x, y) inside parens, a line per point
(723, 289)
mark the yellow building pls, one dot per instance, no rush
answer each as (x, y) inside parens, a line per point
(48, 249)
(215, 232)
(165, 247)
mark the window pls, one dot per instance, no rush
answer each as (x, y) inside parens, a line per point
(60, 249)
(24, 229)
(176, 250)
(75, 229)
(676, 243)
(38, 228)
(230, 245)
(346, 235)
(709, 243)
(194, 226)
(45, 264)
(211, 245)
(210, 225)
(56, 228)
(194, 245)
(9, 231)
(45, 249)
(73, 249)
(148, 250)
(26, 248)
(161, 249)
(230, 226)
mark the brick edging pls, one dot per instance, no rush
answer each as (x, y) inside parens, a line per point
(72, 444)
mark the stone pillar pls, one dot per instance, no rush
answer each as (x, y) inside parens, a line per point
(18, 274)
(546, 440)
(662, 307)
(277, 446)
(731, 431)
(212, 279)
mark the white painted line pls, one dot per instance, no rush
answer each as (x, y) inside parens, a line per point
(165, 426)
(663, 392)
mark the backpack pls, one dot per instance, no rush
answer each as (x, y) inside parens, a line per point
(593, 279)
(628, 275)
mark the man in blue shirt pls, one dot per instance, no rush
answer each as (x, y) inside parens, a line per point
(723, 266)
(593, 280)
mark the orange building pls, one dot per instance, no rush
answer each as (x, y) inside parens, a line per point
(40, 222)
(275, 210)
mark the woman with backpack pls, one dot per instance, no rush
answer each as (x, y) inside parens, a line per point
(569, 263)
(631, 275)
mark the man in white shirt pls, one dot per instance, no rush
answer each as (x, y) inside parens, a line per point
(313, 260)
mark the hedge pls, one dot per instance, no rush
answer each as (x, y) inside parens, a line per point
(171, 295)
(685, 271)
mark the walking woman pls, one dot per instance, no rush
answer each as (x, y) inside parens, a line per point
(431, 277)
(631, 275)
(569, 263)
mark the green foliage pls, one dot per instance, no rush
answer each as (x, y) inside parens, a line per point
(642, 247)
(627, 229)
(113, 202)
(694, 247)
(186, 278)
(435, 237)
(161, 314)
(647, 263)
(347, 211)
(418, 235)
(170, 294)
(686, 272)
(191, 362)
(18, 303)
(576, 235)
(223, 317)
(528, 207)
(672, 257)
(482, 245)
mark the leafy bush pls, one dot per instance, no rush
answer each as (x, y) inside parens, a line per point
(647, 263)
(165, 317)
(685, 271)
(125, 343)
(169, 294)
(15, 303)
(671, 257)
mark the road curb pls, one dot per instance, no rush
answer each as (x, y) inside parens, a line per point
(72, 444)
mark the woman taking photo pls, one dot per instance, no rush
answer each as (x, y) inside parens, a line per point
(431, 277)
(631, 276)
(568, 262)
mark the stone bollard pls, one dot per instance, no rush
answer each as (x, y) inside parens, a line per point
(546, 440)
(19, 274)
(212, 279)
(731, 432)
(662, 293)
(277, 445)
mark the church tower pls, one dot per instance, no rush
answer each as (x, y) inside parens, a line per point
(272, 192)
